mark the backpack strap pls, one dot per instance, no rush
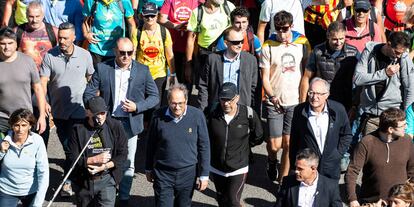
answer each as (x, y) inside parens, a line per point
(121, 7)
(250, 40)
(200, 12)
(250, 118)
(51, 34)
(371, 29)
(19, 33)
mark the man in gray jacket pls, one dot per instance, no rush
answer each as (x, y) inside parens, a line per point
(233, 65)
(385, 74)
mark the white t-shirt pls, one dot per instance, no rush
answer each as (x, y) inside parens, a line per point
(271, 7)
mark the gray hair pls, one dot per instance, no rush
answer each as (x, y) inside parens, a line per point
(326, 83)
(180, 87)
(35, 4)
(67, 25)
(309, 155)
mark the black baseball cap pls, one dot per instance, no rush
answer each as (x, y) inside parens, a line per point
(362, 4)
(149, 8)
(228, 91)
(96, 105)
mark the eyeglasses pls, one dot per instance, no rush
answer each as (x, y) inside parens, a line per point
(282, 28)
(172, 104)
(228, 99)
(235, 42)
(150, 16)
(312, 93)
(126, 53)
(361, 10)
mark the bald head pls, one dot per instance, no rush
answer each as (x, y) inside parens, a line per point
(124, 51)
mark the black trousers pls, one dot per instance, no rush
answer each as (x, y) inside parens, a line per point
(229, 189)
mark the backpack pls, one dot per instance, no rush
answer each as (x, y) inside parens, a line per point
(49, 30)
(371, 31)
(253, 143)
(200, 13)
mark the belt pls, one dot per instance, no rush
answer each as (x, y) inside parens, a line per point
(120, 118)
(98, 177)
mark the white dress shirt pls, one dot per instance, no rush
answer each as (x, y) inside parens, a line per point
(122, 77)
(320, 124)
(307, 193)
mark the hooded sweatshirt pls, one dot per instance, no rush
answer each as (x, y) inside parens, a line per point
(383, 165)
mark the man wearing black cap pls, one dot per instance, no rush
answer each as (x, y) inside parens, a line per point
(232, 127)
(99, 171)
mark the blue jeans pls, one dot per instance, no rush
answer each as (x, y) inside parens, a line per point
(11, 201)
(102, 192)
(129, 165)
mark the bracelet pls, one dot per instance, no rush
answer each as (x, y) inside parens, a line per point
(105, 167)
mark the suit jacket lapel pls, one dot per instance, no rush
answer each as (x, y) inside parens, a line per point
(220, 69)
(295, 194)
(132, 76)
(112, 79)
(242, 73)
(318, 187)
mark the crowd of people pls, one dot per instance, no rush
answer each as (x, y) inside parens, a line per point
(328, 82)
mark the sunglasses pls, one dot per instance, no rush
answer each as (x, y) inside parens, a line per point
(150, 16)
(126, 53)
(361, 10)
(235, 42)
(282, 28)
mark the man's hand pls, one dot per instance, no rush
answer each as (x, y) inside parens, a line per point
(90, 36)
(128, 106)
(93, 169)
(354, 204)
(48, 109)
(202, 184)
(276, 102)
(150, 176)
(392, 69)
(4, 146)
(41, 124)
(181, 27)
(101, 158)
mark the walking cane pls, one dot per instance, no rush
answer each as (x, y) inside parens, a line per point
(70, 170)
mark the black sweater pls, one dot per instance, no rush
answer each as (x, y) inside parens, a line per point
(178, 145)
(230, 142)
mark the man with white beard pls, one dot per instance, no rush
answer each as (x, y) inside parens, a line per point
(206, 24)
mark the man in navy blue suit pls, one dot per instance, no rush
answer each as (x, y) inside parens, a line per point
(307, 187)
(128, 90)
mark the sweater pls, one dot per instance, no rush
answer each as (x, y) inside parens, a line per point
(383, 165)
(178, 145)
(25, 170)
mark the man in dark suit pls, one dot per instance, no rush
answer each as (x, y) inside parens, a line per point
(307, 187)
(323, 126)
(232, 65)
(128, 89)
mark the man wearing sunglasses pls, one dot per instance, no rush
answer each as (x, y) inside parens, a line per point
(128, 90)
(360, 29)
(232, 65)
(323, 126)
(385, 73)
(283, 58)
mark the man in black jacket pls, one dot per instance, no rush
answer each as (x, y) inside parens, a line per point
(307, 181)
(99, 170)
(323, 126)
(232, 127)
